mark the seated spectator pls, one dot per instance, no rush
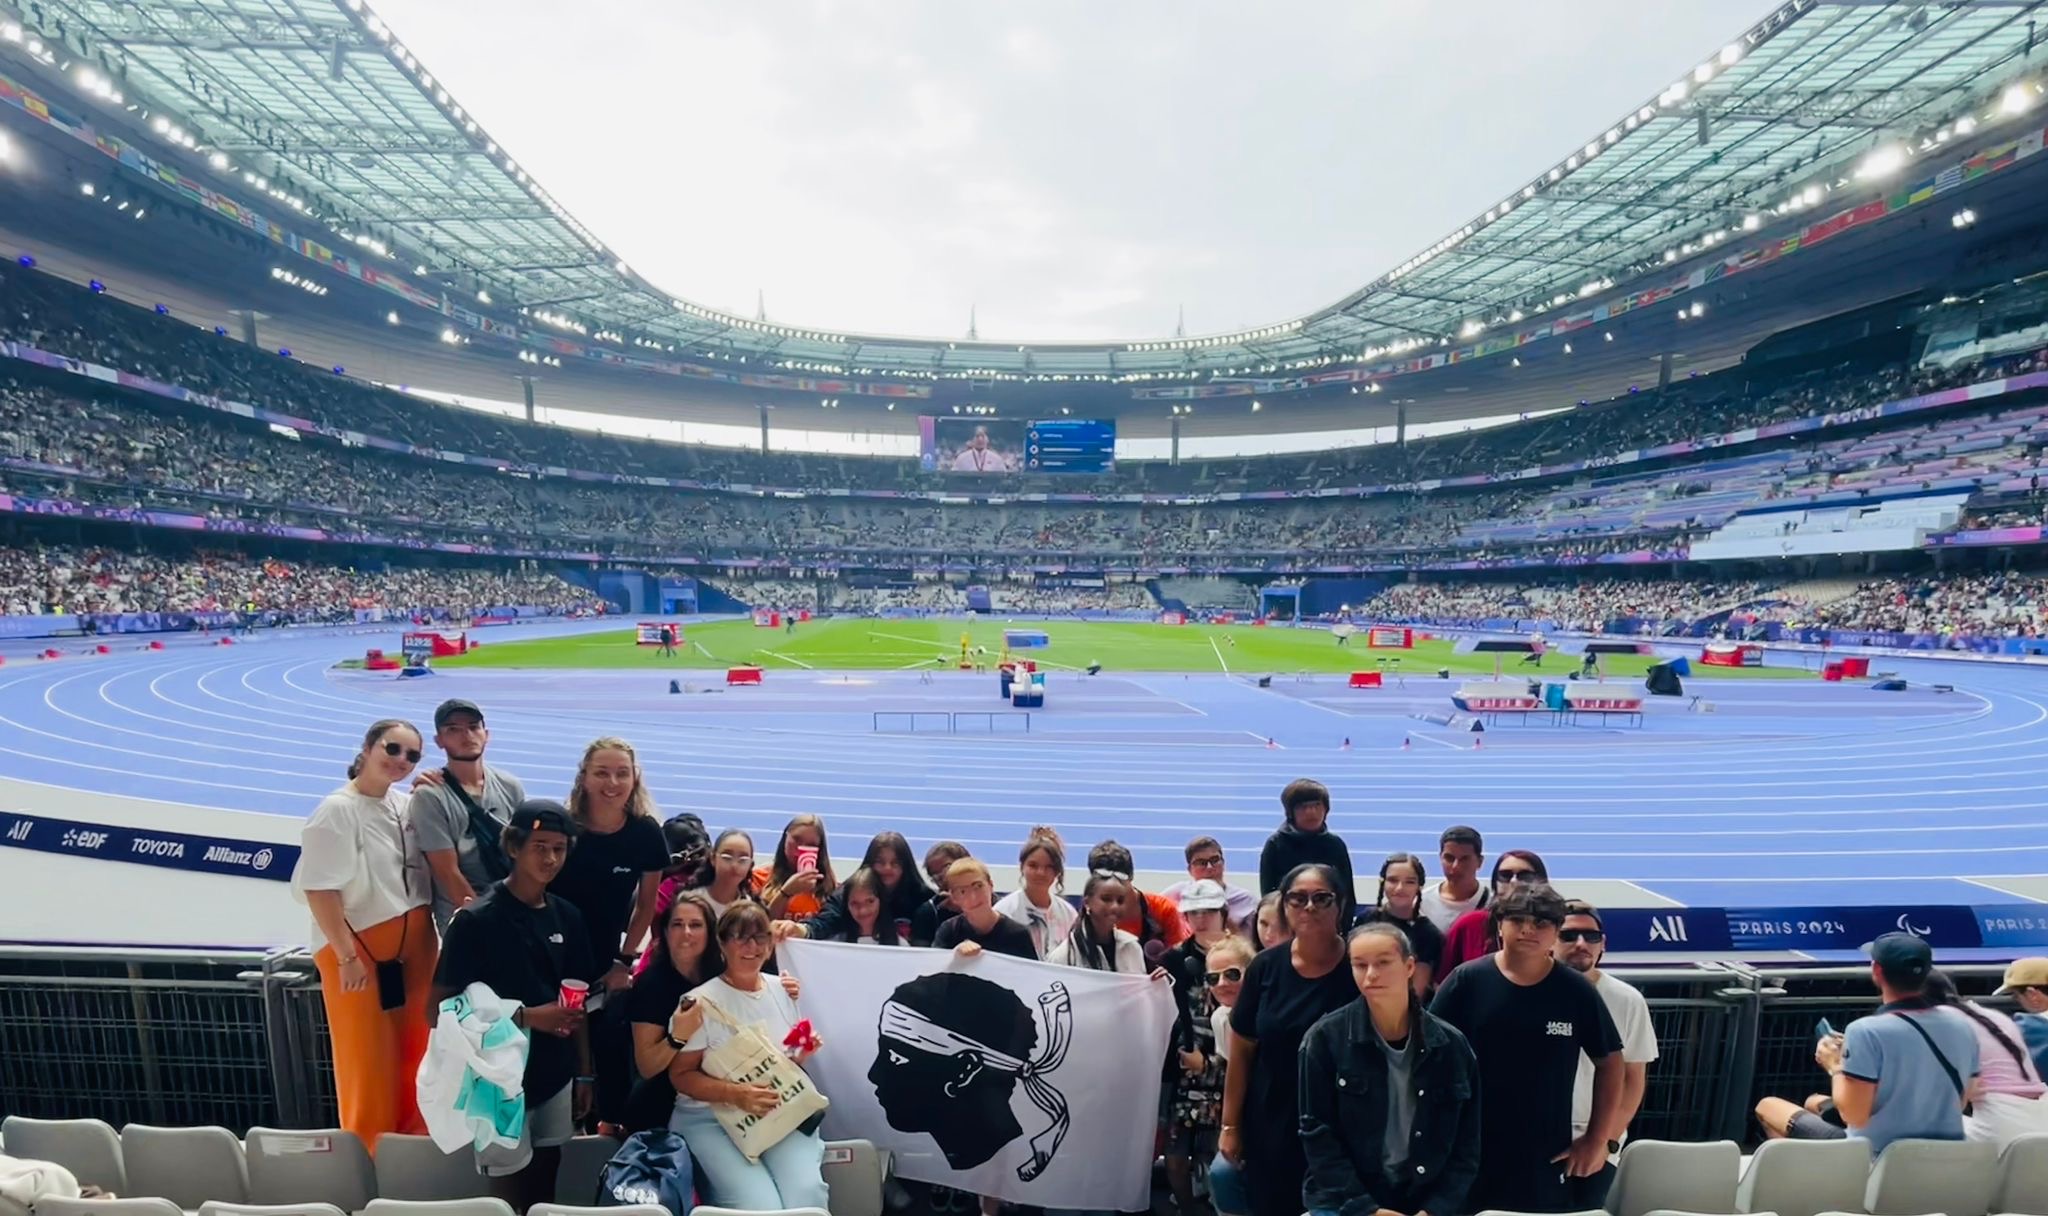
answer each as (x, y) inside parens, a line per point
(1205, 861)
(1389, 1094)
(1152, 919)
(521, 942)
(1305, 837)
(683, 955)
(796, 884)
(1039, 902)
(1226, 965)
(1581, 944)
(978, 926)
(2007, 1102)
(1901, 1073)
(2026, 981)
(1402, 878)
(790, 1174)
(1476, 933)
(1460, 850)
(1528, 1021)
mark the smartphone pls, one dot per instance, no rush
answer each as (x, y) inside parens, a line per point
(1822, 1029)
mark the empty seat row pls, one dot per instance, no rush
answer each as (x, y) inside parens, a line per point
(378, 1207)
(192, 1168)
(1812, 1177)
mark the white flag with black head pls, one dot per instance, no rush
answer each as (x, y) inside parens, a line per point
(1032, 1083)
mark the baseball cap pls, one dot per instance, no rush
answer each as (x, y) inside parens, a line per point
(448, 709)
(543, 815)
(1901, 956)
(2025, 973)
(1203, 895)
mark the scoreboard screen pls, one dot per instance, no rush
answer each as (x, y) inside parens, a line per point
(981, 447)
(1070, 445)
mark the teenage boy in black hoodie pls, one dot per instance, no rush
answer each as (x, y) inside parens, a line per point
(1304, 837)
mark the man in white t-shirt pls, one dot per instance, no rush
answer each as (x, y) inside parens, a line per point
(1581, 944)
(1459, 851)
(979, 457)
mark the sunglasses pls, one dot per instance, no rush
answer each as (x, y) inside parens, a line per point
(1593, 936)
(1319, 900)
(411, 754)
(1229, 975)
(1119, 875)
(694, 853)
(1518, 876)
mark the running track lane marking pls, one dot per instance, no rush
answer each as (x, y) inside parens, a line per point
(785, 658)
(1219, 656)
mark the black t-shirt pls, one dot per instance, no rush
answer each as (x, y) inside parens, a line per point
(1423, 937)
(655, 991)
(1008, 937)
(1527, 1040)
(602, 878)
(523, 954)
(1275, 1008)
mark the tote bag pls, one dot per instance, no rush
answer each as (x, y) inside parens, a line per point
(750, 1057)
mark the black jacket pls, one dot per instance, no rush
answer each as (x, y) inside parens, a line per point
(1288, 848)
(1344, 1118)
(834, 923)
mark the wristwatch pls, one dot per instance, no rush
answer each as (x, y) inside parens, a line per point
(1613, 1147)
(672, 1040)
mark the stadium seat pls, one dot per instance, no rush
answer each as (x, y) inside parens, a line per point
(624, 1209)
(58, 1206)
(87, 1147)
(476, 1205)
(2023, 1178)
(1804, 1177)
(707, 1210)
(1953, 1177)
(270, 1209)
(186, 1165)
(583, 1161)
(329, 1165)
(1663, 1174)
(414, 1168)
(853, 1175)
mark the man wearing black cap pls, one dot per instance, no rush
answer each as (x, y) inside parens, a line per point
(460, 811)
(1899, 1074)
(521, 943)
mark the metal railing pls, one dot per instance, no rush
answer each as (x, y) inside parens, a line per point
(240, 1040)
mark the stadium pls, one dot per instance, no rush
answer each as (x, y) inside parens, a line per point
(1676, 515)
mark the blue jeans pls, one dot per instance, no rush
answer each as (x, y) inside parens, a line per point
(1226, 1188)
(789, 1175)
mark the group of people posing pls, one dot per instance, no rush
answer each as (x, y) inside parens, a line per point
(1450, 1048)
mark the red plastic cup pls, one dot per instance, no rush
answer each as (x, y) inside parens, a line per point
(574, 993)
(806, 858)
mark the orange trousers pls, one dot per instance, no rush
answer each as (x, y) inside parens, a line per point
(377, 1053)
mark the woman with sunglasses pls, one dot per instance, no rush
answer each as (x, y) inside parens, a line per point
(1473, 934)
(1402, 881)
(1226, 965)
(1288, 988)
(363, 876)
(1192, 1090)
(790, 1174)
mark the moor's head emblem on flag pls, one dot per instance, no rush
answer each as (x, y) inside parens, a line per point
(950, 1051)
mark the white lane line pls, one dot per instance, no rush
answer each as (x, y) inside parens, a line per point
(785, 658)
(1219, 656)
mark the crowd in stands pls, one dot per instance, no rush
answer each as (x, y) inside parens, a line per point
(1442, 1046)
(60, 580)
(1587, 605)
(2005, 604)
(102, 445)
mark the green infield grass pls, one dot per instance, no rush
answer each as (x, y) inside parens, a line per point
(880, 645)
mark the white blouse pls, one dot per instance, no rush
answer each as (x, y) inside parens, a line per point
(1049, 925)
(366, 849)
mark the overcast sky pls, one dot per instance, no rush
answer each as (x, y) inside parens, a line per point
(1069, 168)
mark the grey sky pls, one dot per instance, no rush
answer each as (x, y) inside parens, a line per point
(1072, 168)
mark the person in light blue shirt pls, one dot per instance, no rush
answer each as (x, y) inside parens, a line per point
(2026, 981)
(1899, 1074)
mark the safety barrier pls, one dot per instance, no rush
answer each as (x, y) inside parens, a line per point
(240, 1040)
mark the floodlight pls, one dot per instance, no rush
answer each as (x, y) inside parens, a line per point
(2017, 99)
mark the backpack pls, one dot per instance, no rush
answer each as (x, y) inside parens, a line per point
(650, 1167)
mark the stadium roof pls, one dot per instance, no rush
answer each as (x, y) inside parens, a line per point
(320, 106)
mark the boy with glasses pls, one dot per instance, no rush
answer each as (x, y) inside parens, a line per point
(1528, 1021)
(1205, 863)
(1581, 944)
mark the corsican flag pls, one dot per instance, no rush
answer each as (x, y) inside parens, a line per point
(1033, 1083)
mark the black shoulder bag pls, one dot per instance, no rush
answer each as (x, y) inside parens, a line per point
(1954, 1078)
(486, 831)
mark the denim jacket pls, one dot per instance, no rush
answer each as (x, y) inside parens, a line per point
(1343, 1118)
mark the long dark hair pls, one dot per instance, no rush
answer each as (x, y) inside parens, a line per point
(1379, 903)
(1083, 946)
(911, 890)
(867, 880)
(712, 962)
(709, 874)
(1535, 863)
(1941, 990)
